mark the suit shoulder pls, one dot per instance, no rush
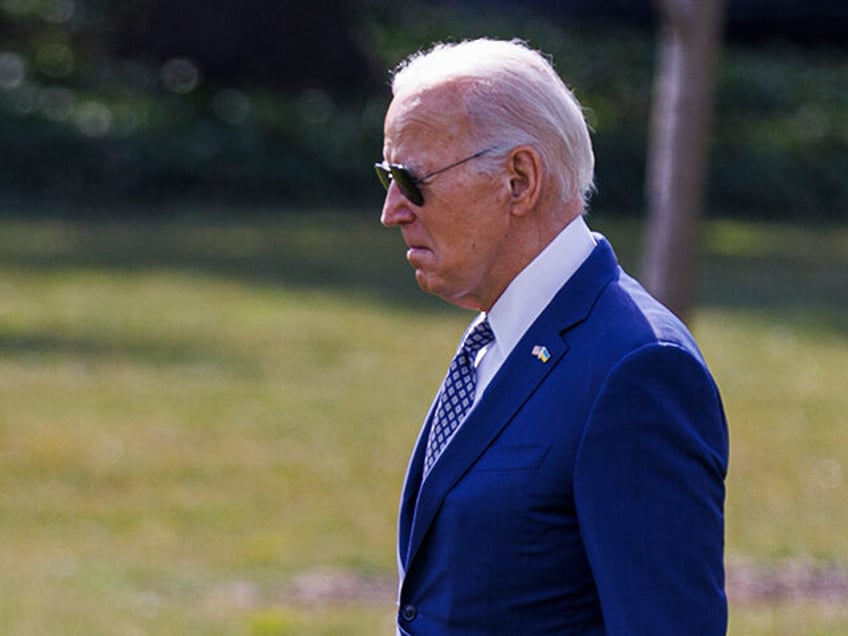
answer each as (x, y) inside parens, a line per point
(627, 315)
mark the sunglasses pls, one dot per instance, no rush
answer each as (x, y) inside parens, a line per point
(388, 172)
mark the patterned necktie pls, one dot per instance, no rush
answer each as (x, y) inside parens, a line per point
(457, 393)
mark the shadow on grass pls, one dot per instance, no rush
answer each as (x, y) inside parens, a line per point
(96, 349)
(791, 274)
(338, 252)
(787, 273)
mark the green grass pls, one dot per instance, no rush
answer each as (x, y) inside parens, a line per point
(195, 415)
(791, 619)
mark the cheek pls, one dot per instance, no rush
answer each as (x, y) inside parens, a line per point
(472, 223)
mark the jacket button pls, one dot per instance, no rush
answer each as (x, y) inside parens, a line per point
(409, 612)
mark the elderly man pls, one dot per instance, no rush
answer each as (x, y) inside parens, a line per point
(569, 477)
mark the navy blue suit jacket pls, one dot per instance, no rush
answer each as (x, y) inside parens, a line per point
(582, 495)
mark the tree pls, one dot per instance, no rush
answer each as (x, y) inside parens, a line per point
(689, 43)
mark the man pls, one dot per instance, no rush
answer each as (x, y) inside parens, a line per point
(569, 477)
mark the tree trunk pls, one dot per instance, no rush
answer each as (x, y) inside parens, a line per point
(690, 35)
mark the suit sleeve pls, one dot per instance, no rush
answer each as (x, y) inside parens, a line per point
(649, 493)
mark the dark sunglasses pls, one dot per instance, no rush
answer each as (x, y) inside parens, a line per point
(388, 172)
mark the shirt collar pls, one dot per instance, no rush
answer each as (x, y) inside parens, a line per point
(536, 285)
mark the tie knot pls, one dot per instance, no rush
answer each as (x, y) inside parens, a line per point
(477, 338)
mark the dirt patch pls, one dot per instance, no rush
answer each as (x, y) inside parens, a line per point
(747, 582)
(790, 580)
(329, 585)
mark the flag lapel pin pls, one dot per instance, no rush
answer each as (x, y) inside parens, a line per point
(542, 353)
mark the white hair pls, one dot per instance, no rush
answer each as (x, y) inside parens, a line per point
(513, 96)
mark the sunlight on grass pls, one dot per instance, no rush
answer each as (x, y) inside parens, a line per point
(747, 239)
(790, 619)
(784, 392)
(192, 416)
(167, 433)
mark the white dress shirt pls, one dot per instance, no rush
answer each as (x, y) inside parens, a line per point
(529, 293)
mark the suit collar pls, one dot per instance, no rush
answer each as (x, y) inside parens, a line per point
(515, 382)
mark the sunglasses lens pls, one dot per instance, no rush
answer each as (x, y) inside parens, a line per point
(407, 185)
(383, 175)
(404, 181)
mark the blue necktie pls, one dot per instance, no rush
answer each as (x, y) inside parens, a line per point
(457, 392)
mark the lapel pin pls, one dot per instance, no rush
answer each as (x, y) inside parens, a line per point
(542, 353)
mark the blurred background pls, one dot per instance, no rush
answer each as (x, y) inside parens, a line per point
(281, 102)
(214, 361)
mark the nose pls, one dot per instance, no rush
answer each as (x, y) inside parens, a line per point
(396, 208)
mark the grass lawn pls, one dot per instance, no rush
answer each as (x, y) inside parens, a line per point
(204, 425)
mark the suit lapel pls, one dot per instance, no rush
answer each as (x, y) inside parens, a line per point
(521, 373)
(411, 486)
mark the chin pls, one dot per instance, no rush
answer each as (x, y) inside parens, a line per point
(430, 284)
(425, 282)
(438, 289)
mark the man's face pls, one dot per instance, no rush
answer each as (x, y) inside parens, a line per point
(457, 239)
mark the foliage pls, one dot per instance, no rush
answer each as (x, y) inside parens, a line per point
(80, 124)
(781, 144)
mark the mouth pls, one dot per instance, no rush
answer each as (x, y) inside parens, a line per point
(415, 254)
(415, 258)
(415, 251)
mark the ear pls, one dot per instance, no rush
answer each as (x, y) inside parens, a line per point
(524, 170)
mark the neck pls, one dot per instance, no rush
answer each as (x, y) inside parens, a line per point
(531, 235)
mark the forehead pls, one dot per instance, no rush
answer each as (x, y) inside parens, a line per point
(429, 118)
